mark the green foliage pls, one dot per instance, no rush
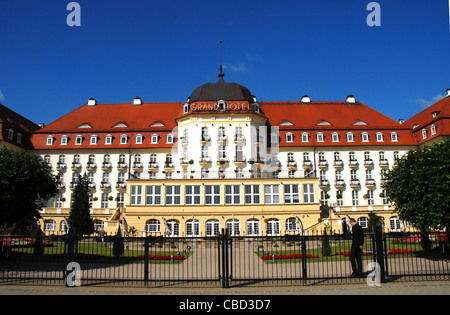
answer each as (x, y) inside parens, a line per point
(118, 246)
(326, 249)
(419, 186)
(374, 220)
(79, 218)
(24, 179)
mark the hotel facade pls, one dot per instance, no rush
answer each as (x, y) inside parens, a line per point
(222, 159)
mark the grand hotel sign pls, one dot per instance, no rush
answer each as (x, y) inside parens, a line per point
(221, 106)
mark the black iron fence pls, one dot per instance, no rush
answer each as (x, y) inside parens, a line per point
(222, 261)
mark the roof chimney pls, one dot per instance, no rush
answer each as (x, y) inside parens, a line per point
(306, 99)
(448, 93)
(351, 99)
(92, 102)
(137, 101)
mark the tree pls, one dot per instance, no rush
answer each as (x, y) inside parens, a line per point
(118, 246)
(326, 249)
(24, 180)
(419, 188)
(79, 218)
(374, 220)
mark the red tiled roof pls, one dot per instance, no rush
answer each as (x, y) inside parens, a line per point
(425, 119)
(329, 117)
(314, 117)
(338, 114)
(103, 117)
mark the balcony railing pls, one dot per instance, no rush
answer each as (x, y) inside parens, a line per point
(338, 163)
(368, 163)
(353, 163)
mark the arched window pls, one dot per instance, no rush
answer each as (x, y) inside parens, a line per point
(152, 226)
(395, 224)
(192, 228)
(252, 227)
(293, 225)
(173, 228)
(363, 222)
(212, 227)
(50, 225)
(273, 227)
(234, 227)
(99, 225)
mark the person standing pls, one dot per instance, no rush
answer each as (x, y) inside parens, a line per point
(357, 248)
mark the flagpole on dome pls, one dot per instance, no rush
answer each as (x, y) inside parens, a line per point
(221, 75)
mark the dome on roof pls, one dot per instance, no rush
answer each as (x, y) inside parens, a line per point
(221, 90)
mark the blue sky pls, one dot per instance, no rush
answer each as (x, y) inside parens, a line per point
(161, 50)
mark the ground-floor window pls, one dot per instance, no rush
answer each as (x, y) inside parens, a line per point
(50, 225)
(212, 227)
(153, 226)
(395, 224)
(293, 225)
(363, 222)
(193, 228)
(273, 227)
(173, 228)
(253, 227)
(234, 227)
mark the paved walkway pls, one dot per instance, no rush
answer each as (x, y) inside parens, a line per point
(393, 288)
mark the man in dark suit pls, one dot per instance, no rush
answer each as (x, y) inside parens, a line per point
(357, 248)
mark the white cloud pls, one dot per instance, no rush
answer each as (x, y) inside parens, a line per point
(426, 103)
(235, 68)
(2, 97)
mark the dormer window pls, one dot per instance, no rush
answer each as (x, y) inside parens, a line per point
(108, 139)
(424, 133)
(434, 114)
(335, 137)
(350, 137)
(394, 137)
(139, 139)
(10, 134)
(185, 108)
(78, 140)
(289, 137)
(123, 139)
(305, 137)
(433, 130)
(19, 138)
(365, 137)
(256, 107)
(319, 137)
(169, 139)
(379, 137)
(64, 140)
(154, 139)
(274, 137)
(94, 139)
(50, 140)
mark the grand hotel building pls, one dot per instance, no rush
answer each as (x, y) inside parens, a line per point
(224, 160)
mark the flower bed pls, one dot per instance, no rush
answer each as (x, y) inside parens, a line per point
(347, 253)
(19, 241)
(163, 257)
(392, 251)
(288, 256)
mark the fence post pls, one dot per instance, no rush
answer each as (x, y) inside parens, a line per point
(225, 283)
(70, 255)
(146, 253)
(304, 266)
(380, 252)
